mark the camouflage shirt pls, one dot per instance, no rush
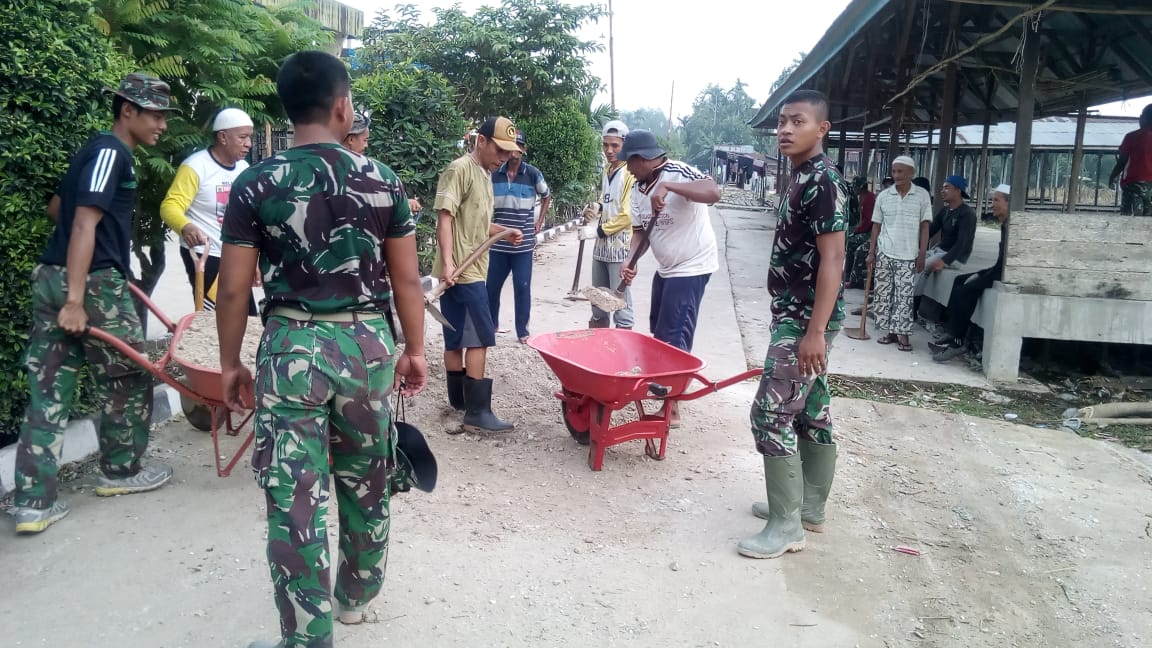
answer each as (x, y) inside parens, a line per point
(319, 215)
(816, 204)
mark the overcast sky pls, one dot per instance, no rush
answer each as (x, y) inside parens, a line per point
(715, 41)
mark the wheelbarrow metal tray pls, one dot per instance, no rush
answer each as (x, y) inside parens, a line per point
(615, 366)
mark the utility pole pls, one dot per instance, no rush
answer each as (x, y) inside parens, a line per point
(671, 100)
(611, 62)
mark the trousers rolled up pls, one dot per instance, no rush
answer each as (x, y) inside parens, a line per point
(790, 405)
(606, 274)
(322, 418)
(894, 281)
(53, 362)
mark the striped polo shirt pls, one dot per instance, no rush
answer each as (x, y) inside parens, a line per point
(515, 200)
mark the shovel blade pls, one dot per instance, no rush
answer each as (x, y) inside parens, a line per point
(438, 316)
(856, 333)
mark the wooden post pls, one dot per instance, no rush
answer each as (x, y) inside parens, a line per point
(925, 162)
(267, 140)
(981, 179)
(841, 155)
(947, 134)
(1077, 155)
(865, 151)
(1022, 151)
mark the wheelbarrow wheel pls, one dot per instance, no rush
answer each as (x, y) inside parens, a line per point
(578, 421)
(199, 415)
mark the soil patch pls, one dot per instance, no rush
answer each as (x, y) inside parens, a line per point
(200, 344)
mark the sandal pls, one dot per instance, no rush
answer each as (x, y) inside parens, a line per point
(890, 338)
(906, 345)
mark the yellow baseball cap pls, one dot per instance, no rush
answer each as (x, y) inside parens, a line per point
(502, 131)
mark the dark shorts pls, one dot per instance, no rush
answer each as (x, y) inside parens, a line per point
(466, 306)
(211, 269)
(675, 309)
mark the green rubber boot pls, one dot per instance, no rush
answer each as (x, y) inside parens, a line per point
(819, 468)
(784, 483)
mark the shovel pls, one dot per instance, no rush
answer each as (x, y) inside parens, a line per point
(200, 263)
(861, 333)
(611, 301)
(575, 294)
(432, 295)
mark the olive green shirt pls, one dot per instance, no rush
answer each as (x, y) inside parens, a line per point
(465, 191)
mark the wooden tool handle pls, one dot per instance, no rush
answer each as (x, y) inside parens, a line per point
(472, 258)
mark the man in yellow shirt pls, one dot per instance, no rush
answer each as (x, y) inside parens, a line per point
(464, 207)
(194, 206)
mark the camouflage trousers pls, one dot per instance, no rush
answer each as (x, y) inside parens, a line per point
(788, 404)
(1136, 199)
(856, 260)
(53, 363)
(322, 416)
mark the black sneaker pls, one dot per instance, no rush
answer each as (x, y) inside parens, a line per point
(949, 353)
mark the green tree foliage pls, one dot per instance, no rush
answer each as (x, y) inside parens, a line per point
(718, 117)
(507, 60)
(788, 70)
(51, 75)
(214, 54)
(566, 149)
(652, 119)
(415, 130)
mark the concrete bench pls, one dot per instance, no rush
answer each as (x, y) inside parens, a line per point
(1084, 277)
(985, 248)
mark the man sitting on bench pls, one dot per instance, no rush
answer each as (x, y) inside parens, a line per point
(966, 289)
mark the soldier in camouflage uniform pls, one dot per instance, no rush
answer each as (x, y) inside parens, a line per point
(790, 419)
(328, 228)
(82, 280)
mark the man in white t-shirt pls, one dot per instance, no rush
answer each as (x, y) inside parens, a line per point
(899, 243)
(677, 196)
(194, 206)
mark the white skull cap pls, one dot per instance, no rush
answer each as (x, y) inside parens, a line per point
(230, 118)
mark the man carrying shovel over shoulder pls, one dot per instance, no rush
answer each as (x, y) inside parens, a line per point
(465, 207)
(677, 197)
(790, 420)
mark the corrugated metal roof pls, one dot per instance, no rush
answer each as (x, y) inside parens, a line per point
(1047, 133)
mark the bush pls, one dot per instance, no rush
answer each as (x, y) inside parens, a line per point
(51, 75)
(415, 130)
(566, 149)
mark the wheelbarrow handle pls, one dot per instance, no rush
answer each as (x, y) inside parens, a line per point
(711, 387)
(156, 369)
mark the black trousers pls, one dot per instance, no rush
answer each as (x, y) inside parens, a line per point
(211, 269)
(962, 301)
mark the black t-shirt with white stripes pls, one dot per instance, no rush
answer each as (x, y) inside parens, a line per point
(100, 175)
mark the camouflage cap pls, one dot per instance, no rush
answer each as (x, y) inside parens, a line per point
(145, 91)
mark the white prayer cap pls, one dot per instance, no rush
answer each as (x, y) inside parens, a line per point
(906, 161)
(230, 118)
(1004, 189)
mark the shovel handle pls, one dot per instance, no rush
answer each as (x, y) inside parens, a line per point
(435, 293)
(200, 263)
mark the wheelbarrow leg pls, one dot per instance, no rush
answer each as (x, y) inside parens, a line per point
(601, 419)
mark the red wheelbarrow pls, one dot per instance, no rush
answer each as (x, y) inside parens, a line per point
(201, 384)
(605, 370)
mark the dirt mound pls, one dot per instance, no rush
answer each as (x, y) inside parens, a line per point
(200, 345)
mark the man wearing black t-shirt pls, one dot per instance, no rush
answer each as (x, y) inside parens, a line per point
(82, 280)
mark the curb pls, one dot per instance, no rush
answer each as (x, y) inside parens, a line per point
(80, 440)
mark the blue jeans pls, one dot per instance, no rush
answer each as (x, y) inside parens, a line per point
(500, 265)
(675, 308)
